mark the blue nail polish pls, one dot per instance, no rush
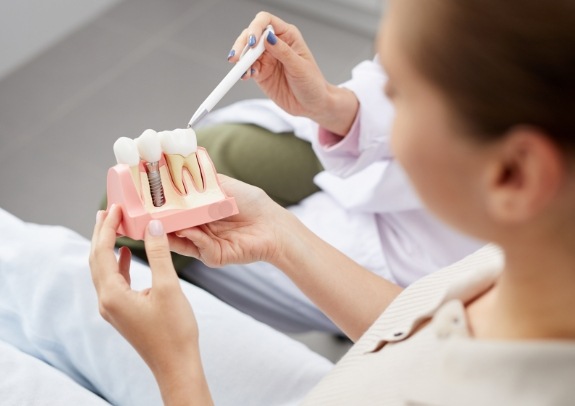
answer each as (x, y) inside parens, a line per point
(252, 71)
(252, 40)
(272, 39)
(231, 54)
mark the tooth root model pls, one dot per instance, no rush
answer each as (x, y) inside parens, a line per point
(126, 152)
(180, 148)
(150, 151)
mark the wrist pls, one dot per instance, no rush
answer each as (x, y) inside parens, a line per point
(291, 242)
(339, 110)
(183, 382)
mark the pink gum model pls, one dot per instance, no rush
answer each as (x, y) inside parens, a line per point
(184, 213)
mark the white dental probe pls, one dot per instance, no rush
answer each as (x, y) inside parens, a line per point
(248, 56)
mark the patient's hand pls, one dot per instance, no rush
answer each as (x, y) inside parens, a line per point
(159, 321)
(255, 234)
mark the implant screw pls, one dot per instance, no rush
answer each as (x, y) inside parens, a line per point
(155, 181)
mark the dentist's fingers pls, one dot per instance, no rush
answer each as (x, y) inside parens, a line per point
(283, 52)
(262, 20)
(183, 246)
(252, 34)
(256, 68)
(238, 46)
(158, 253)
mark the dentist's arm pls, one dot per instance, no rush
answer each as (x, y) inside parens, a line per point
(158, 322)
(351, 296)
(288, 74)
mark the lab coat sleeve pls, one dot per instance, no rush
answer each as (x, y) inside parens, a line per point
(373, 125)
(361, 173)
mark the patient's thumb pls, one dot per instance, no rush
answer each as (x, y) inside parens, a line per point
(158, 253)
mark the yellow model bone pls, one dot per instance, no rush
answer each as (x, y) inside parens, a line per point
(177, 162)
(135, 171)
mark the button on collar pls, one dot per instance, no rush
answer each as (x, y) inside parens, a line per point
(449, 320)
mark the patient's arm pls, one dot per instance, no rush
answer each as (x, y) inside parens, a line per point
(347, 293)
(159, 321)
(350, 295)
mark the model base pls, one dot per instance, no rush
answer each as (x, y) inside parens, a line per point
(128, 187)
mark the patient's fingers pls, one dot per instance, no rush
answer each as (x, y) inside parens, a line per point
(124, 263)
(100, 216)
(107, 233)
(103, 262)
(159, 258)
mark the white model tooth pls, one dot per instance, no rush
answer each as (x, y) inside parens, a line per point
(150, 150)
(149, 146)
(180, 141)
(180, 148)
(126, 152)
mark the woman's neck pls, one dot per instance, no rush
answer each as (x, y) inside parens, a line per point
(532, 299)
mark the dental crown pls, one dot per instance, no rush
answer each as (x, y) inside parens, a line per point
(180, 141)
(126, 151)
(149, 146)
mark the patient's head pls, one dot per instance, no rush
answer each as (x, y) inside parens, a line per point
(485, 113)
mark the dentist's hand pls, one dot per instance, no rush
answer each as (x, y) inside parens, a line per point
(256, 233)
(288, 74)
(158, 322)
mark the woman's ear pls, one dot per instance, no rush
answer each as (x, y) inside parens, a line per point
(524, 175)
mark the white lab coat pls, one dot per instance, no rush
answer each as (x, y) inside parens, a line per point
(366, 207)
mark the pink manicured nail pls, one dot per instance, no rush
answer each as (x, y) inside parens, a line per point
(156, 228)
(99, 215)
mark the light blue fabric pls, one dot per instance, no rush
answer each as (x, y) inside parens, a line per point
(48, 309)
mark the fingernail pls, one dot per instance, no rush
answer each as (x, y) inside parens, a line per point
(99, 215)
(252, 40)
(156, 228)
(272, 39)
(231, 54)
(252, 71)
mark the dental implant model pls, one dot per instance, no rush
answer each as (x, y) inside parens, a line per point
(165, 176)
(151, 152)
(126, 152)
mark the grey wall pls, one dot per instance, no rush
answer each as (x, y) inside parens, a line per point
(361, 16)
(27, 27)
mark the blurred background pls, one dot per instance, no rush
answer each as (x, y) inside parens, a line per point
(77, 74)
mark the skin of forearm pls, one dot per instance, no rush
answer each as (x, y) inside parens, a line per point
(183, 382)
(350, 295)
(339, 110)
